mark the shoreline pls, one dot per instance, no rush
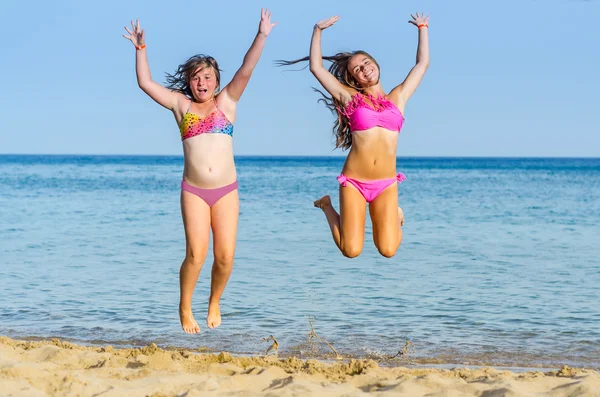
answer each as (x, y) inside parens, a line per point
(526, 362)
(59, 368)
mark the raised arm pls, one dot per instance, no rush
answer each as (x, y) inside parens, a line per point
(403, 92)
(327, 80)
(237, 85)
(160, 94)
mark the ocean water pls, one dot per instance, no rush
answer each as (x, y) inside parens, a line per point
(500, 262)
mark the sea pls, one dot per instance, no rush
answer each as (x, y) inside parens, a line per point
(500, 262)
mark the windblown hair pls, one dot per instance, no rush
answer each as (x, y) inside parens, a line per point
(180, 81)
(339, 69)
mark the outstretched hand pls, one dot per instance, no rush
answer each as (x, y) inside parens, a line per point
(419, 19)
(325, 23)
(265, 25)
(136, 36)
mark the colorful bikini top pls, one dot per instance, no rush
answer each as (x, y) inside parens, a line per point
(214, 123)
(363, 116)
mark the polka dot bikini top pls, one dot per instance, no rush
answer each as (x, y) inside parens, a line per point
(214, 123)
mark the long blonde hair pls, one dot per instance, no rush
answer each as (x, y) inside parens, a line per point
(339, 69)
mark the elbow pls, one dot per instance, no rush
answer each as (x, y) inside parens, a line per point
(426, 60)
(314, 67)
(314, 63)
(247, 68)
(246, 73)
(144, 84)
(424, 63)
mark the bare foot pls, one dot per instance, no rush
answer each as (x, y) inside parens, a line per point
(189, 325)
(323, 202)
(213, 320)
(401, 216)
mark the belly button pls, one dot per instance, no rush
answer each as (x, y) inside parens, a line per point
(209, 169)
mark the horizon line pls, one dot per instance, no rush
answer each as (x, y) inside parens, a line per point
(301, 156)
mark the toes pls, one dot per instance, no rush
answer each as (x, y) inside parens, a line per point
(194, 329)
(189, 324)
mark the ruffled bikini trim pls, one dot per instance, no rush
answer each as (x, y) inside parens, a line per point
(380, 103)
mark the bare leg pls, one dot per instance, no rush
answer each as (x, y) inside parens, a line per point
(333, 218)
(348, 227)
(387, 219)
(196, 220)
(224, 216)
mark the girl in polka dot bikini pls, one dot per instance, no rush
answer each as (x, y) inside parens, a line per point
(209, 196)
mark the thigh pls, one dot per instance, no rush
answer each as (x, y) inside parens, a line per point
(384, 217)
(224, 220)
(196, 222)
(353, 208)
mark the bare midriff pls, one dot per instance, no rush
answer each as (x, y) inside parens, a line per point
(209, 162)
(372, 155)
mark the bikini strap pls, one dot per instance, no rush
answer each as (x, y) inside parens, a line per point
(189, 107)
(219, 109)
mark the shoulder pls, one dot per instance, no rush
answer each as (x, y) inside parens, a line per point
(182, 105)
(183, 102)
(395, 96)
(224, 101)
(227, 105)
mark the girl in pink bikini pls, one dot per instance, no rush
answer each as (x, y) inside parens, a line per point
(368, 123)
(205, 115)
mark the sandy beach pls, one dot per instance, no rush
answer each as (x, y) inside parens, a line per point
(57, 368)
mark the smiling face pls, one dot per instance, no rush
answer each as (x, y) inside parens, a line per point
(364, 70)
(203, 83)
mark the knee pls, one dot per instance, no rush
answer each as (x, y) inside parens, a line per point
(195, 258)
(351, 250)
(387, 250)
(224, 259)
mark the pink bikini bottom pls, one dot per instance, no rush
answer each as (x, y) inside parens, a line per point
(210, 196)
(370, 189)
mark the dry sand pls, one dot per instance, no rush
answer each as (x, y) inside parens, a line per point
(56, 368)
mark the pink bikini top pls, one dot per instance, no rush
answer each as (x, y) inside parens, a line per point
(362, 116)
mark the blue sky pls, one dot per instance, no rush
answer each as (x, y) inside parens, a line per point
(510, 78)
